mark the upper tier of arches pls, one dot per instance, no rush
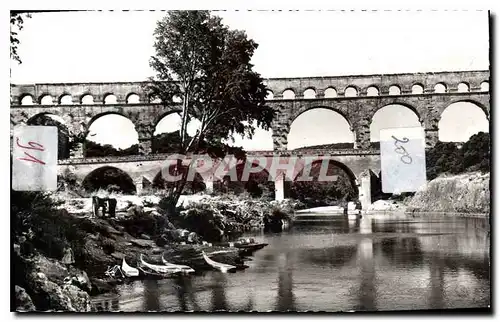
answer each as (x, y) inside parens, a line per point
(278, 89)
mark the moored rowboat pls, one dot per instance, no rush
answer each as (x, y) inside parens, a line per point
(182, 268)
(128, 270)
(161, 269)
(224, 268)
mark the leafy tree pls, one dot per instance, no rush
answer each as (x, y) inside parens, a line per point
(16, 25)
(207, 66)
(447, 157)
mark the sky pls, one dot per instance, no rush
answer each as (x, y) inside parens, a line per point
(116, 46)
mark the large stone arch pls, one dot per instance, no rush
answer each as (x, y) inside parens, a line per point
(480, 104)
(64, 135)
(281, 128)
(126, 182)
(398, 106)
(309, 189)
(96, 116)
(93, 118)
(160, 116)
(461, 119)
(332, 108)
(415, 109)
(354, 179)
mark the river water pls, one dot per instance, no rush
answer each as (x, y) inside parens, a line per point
(379, 262)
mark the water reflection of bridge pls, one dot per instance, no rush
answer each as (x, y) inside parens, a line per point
(374, 265)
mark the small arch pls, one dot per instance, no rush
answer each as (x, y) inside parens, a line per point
(288, 94)
(26, 99)
(350, 91)
(87, 99)
(440, 88)
(46, 100)
(485, 86)
(310, 93)
(270, 95)
(109, 99)
(65, 99)
(417, 89)
(463, 87)
(394, 90)
(133, 98)
(330, 92)
(372, 91)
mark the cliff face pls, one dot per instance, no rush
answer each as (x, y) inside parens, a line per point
(464, 193)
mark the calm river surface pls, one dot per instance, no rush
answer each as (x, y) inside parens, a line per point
(381, 262)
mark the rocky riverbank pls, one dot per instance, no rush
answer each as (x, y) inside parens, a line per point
(141, 226)
(464, 193)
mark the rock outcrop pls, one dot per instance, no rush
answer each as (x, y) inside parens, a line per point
(464, 193)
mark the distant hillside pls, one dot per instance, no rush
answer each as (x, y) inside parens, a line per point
(332, 146)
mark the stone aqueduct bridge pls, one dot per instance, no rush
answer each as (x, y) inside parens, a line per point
(356, 98)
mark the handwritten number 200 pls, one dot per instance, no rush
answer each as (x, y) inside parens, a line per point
(405, 158)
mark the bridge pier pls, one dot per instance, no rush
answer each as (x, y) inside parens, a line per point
(145, 146)
(279, 189)
(139, 185)
(209, 186)
(365, 193)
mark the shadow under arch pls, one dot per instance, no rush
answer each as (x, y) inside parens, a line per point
(63, 134)
(109, 178)
(352, 177)
(191, 187)
(257, 185)
(318, 192)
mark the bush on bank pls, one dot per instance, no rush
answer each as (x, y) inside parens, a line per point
(448, 157)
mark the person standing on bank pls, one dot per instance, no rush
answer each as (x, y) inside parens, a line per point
(68, 258)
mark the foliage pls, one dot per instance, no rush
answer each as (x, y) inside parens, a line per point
(207, 66)
(447, 157)
(166, 142)
(476, 153)
(16, 25)
(39, 224)
(94, 149)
